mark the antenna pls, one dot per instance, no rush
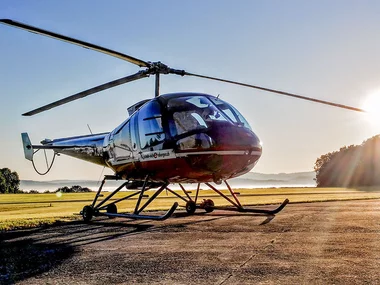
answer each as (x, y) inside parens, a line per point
(89, 128)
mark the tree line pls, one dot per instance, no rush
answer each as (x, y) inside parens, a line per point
(354, 165)
(10, 183)
(73, 189)
(64, 189)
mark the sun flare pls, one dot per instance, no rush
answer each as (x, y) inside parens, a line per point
(372, 106)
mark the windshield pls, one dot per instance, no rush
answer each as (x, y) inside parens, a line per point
(231, 112)
(193, 113)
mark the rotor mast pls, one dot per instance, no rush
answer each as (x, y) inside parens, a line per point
(158, 68)
(157, 89)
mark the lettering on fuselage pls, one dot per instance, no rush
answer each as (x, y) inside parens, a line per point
(152, 155)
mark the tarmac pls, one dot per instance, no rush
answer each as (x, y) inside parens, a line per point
(306, 243)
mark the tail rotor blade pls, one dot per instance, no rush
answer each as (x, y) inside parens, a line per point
(278, 92)
(136, 76)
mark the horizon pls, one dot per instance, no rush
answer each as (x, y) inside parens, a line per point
(253, 172)
(238, 183)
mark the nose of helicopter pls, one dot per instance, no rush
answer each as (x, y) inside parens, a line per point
(235, 150)
(242, 148)
(236, 138)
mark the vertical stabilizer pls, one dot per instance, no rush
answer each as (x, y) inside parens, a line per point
(28, 149)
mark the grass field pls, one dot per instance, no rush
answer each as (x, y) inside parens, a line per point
(31, 210)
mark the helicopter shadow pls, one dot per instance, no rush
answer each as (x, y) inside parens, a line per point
(23, 258)
(28, 253)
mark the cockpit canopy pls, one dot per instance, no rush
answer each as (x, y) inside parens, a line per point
(184, 119)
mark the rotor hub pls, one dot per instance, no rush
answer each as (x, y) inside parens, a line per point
(160, 68)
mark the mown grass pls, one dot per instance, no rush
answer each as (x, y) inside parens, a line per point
(32, 210)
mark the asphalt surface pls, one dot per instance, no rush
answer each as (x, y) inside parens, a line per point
(311, 243)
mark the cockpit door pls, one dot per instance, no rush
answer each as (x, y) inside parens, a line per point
(150, 130)
(122, 143)
(134, 134)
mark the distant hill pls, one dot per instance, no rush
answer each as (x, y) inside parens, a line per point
(256, 180)
(42, 186)
(249, 180)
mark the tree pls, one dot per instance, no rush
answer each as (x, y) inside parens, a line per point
(355, 165)
(3, 185)
(9, 181)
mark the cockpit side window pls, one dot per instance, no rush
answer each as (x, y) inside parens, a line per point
(150, 128)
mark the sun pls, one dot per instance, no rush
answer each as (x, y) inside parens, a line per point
(372, 106)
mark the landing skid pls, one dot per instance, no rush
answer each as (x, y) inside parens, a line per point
(208, 204)
(257, 211)
(110, 209)
(143, 217)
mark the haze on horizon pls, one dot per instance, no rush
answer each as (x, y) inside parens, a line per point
(323, 49)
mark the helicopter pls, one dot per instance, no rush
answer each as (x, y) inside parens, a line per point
(183, 137)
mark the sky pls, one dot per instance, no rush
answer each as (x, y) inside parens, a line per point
(323, 49)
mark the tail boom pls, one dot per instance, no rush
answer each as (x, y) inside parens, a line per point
(87, 147)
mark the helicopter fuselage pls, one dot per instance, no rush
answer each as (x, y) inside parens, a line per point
(181, 137)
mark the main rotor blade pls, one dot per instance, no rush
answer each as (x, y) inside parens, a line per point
(39, 31)
(136, 76)
(279, 92)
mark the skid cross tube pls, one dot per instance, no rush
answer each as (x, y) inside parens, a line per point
(184, 191)
(98, 193)
(197, 193)
(141, 195)
(110, 195)
(233, 193)
(224, 196)
(152, 198)
(119, 200)
(176, 194)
